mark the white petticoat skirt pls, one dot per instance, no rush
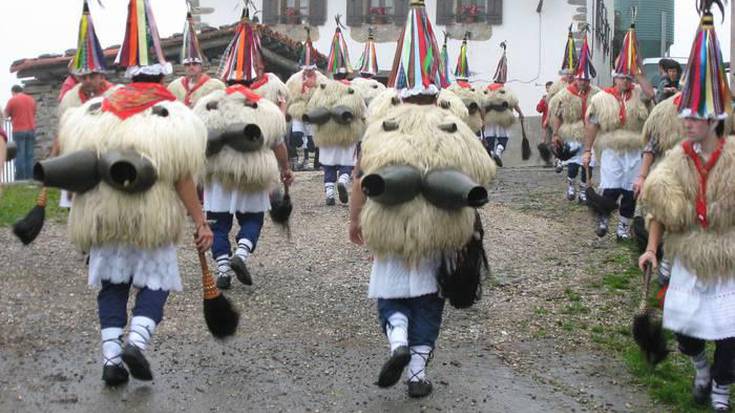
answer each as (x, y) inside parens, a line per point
(337, 155)
(219, 199)
(393, 277)
(156, 269)
(699, 309)
(619, 169)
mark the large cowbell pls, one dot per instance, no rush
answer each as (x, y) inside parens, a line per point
(240, 137)
(80, 171)
(444, 188)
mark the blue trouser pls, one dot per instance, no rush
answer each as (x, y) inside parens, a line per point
(24, 159)
(112, 304)
(627, 203)
(492, 141)
(574, 168)
(424, 315)
(250, 225)
(331, 172)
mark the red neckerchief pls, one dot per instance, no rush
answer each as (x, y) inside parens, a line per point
(495, 86)
(621, 98)
(345, 82)
(702, 170)
(572, 88)
(249, 94)
(257, 84)
(85, 97)
(202, 80)
(134, 98)
(464, 84)
(677, 100)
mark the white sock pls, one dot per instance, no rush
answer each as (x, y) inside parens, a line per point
(499, 150)
(701, 367)
(344, 179)
(111, 345)
(244, 247)
(624, 220)
(396, 329)
(223, 263)
(720, 396)
(570, 182)
(329, 189)
(582, 186)
(141, 330)
(419, 359)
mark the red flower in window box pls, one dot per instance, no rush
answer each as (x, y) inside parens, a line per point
(470, 12)
(293, 15)
(378, 14)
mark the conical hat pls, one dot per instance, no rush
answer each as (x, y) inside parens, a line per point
(628, 63)
(339, 55)
(307, 60)
(501, 72)
(585, 68)
(191, 52)
(242, 56)
(569, 63)
(369, 58)
(706, 93)
(89, 57)
(417, 66)
(141, 52)
(462, 71)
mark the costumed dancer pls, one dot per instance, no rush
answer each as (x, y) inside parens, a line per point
(690, 197)
(499, 103)
(365, 84)
(567, 110)
(245, 151)
(301, 86)
(88, 68)
(465, 91)
(412, 161)
(243, 64)
(131, 223)
(195, 84)
(615, 119)
(338, 113)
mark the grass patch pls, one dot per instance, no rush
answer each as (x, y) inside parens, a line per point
(17, 200)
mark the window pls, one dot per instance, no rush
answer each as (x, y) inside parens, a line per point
(294, 11)
(470, 11)
(380, 11)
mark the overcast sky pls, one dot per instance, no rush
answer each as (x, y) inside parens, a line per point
(34, 27)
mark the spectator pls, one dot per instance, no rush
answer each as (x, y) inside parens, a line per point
(669, 84)
(3, 149)
(543, 108)
(21, 109)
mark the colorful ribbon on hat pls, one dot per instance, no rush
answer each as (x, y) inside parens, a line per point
(242, 54)
(628, 62)
(462, 71)
(417, 63)
(570, 61)
(369, 59)
(339, 56)
(89, 57)
(307, 58)
(140, 33)
(191, 51)
(585, 69)
(706, 93)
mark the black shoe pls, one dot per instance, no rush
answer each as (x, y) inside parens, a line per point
(241, 270)
(223, 282)
(421, 388)
(392, 370)
(344, 197)
(136, 362)
(330, 202)
(701, 394)
(114, 374)
(497, 160)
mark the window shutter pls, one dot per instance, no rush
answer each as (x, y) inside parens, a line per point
(401, 11)
(317, 12)
(444, 12)
(355, 11)
(495, 11)
(270, 12)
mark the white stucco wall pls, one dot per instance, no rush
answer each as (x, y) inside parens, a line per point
(535, 43)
